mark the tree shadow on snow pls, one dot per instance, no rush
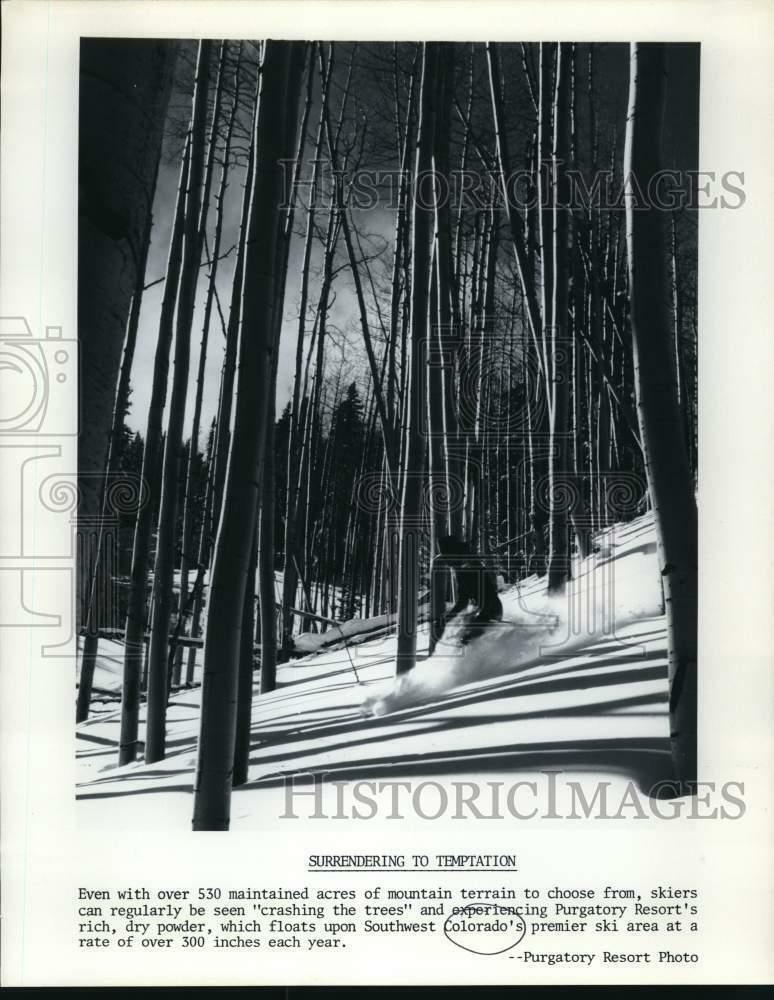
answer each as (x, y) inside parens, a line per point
(374, 731)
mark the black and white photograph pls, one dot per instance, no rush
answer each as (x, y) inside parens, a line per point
(389, 397)
(385, 493)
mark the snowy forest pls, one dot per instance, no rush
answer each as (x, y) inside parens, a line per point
(389, 403)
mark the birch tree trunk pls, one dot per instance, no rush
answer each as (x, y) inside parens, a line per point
(289, 575)
(245, 678)
(267, 601)
(546, 95)
(518, 234)
(158, 662)
(225, 403)
(560, 494)
(448, 322)
(534, 311)
(666, 462)
(134, 634)
(187, 554)
(264, 543)
(274, 139)
(400, 235)
(414, 463)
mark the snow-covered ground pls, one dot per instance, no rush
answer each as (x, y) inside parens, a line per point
(577, 683)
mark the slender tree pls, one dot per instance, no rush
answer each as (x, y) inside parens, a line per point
(290, 577)
(414, 454)
(447, 316)
(274, 138)
(670, 483)
(158, 662)
(134, 635)
(266, 589)
(245, 676)
(225, 403)
(558, 462)
(187, 556)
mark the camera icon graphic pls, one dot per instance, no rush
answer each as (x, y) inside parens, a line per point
(32, 371)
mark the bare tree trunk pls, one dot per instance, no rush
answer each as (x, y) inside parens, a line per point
(134, 634)
(289, 578)
(267, 600)
(666, 462)
(558, 461)
(266, 560)
(204, 548)
(274, 139)
(245, 679)
(186, 556)
(576, 321)
(296, 527)
(546, 96)
(225, 402)
(467, 365)
(398, 292)
(387, 430)
(439, 486)
(158, 665)
(448, 304)
(421, 261)
(487, 326)
(401, 232)
(265, 538)
(683, 387)
(525, 271)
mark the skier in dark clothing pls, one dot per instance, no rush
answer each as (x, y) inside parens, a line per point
(476, 584)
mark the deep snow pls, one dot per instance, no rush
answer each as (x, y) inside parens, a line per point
(578, 682)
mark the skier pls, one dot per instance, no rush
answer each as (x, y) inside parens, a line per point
(476, 584)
